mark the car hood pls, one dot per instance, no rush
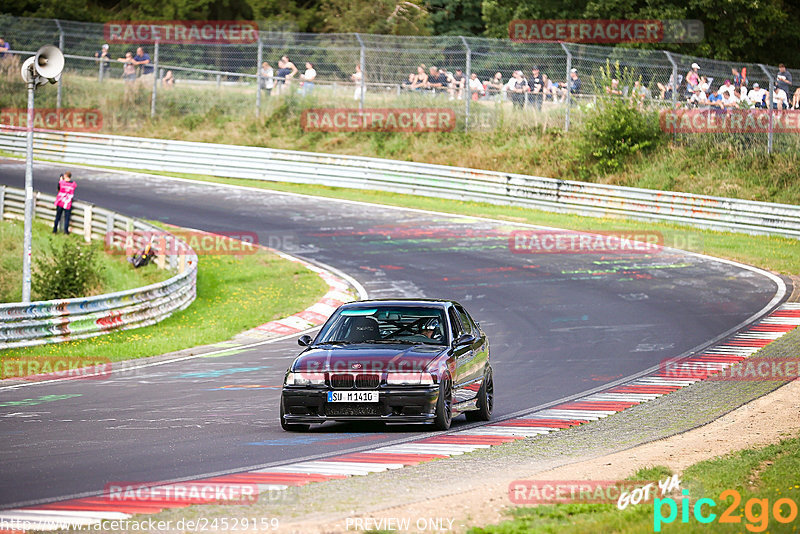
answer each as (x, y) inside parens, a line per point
(369, 358)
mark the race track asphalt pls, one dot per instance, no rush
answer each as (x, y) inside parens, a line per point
(559, 324)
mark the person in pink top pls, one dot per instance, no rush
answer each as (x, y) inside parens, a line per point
(66, 191)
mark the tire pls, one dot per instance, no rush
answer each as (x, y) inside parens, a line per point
(485, 400)
(444, 405)
(292, 427)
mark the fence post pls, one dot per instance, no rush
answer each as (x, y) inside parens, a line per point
(769, 105)
(568, 99)
(466, 91)
(675, 83)
(362, 61)
(2, 201)
(87, 223)
(155, 82)
(260, 58)
(60, 47)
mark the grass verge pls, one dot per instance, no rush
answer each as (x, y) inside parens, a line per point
(234, 293)
(759, 476)
(116, 274)
(526, 142)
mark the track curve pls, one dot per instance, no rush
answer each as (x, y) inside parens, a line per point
(558, 325)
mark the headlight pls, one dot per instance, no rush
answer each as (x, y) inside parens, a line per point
(305, 379)
(409, 379)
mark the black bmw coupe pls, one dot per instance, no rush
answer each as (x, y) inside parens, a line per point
(397, 361)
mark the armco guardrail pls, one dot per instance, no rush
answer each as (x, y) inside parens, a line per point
(53, 321)
(414, 178)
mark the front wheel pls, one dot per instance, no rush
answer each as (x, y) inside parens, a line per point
(485, 400)
(291, 427)
(444, 405)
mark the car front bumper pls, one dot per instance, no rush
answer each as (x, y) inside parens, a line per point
(395, 405)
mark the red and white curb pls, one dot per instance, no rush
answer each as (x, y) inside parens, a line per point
(94, 510)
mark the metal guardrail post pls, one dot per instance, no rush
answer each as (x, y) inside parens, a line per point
(2, 202)
(155, 82)
(87, 222)
(60, 47)
(675, 83)
(362, 61)
(466, 92)
(77, 318)
(259, 59)
(568, 99)
(770, 103)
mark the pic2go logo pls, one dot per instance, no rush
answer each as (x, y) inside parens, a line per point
(756, 511)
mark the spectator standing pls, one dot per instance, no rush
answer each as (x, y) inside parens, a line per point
(291, 72)
(267, 77)
(693, 77)
(757, 96)
(308, 78)
(738, 79)
(5, 46)
(358, 76)
(796, 99)
(280, 75)
(518, 86)
(783, 79)
(104, 57)
(129, 68)
(536, 87)
(66, 192)
(143, 58)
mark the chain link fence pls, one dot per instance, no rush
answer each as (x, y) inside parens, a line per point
(487, 83)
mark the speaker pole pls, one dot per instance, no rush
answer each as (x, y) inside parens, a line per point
(26, 242)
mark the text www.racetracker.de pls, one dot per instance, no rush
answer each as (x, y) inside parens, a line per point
(217, 524)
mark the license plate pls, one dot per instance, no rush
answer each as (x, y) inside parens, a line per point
(352, 396)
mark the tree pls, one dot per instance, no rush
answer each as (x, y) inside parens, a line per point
(455, 17)
(394, 17)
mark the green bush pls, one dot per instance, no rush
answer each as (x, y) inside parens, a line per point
(66, 271)
(618, 127)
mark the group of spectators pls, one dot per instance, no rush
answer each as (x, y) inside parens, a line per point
(136, 67)
(280, 81)
(537, 87)
(736, 92)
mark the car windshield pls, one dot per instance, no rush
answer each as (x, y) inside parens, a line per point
(386, 324)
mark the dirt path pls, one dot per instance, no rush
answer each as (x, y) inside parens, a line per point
(764, 421)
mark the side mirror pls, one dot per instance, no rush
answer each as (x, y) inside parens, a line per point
(304, 340)
(464, 339)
